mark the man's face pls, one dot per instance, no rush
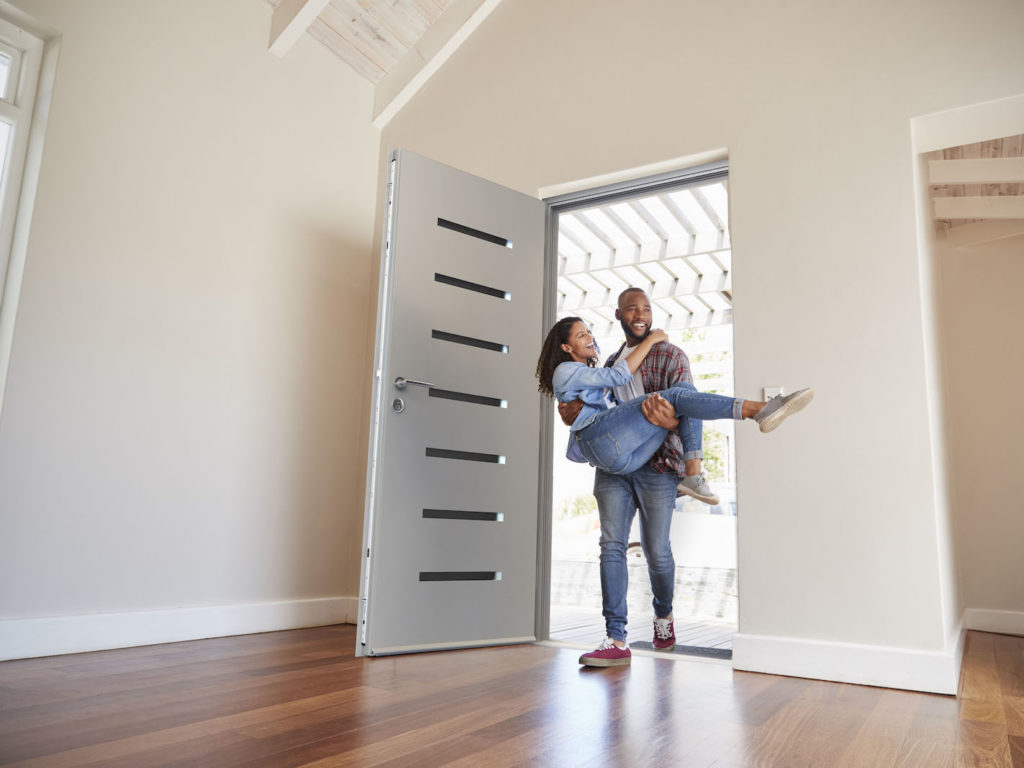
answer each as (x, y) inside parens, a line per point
(634, 314)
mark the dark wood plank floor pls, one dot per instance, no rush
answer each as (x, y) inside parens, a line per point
(302, 698)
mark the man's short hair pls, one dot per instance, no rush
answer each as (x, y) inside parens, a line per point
(625, 293)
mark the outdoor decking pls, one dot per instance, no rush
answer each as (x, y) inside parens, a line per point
(586, 628)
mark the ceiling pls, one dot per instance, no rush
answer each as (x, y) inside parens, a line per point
(371, 36)
(977, 190)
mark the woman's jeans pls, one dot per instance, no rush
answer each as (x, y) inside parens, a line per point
(618, 498)
(621, 440)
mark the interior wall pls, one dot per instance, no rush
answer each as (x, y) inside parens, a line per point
(838, 534)
(182, 424)
(981, 310)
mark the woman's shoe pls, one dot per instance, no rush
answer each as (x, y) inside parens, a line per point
(778, 409)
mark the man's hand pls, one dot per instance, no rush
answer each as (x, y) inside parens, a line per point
(569, 411)
(659, 411)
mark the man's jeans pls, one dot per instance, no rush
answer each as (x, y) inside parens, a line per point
(621, 440)
(618, 497)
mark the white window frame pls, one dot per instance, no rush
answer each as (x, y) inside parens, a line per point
(33, 49)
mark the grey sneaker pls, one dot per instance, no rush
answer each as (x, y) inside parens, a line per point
(778, 408)
(697, 486)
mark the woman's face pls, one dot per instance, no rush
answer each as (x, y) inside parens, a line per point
(580, 344)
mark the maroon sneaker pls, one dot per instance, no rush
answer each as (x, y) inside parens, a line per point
(664, 635)
(607, 654)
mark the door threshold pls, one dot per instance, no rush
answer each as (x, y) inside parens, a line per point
(641, 651)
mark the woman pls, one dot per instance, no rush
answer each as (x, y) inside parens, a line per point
(621, 440)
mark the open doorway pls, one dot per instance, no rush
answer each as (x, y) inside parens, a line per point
(670, 236)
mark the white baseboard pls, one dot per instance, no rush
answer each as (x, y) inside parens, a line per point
(883, 666)
(52, 636)
(1000, 622)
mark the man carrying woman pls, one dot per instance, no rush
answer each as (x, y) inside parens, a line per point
(638, 449)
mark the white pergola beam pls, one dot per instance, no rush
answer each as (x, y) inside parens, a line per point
(291, 20)
(990, 207)
(994, 170)
(983, 232)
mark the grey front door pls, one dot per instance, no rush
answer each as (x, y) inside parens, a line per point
(450, 535)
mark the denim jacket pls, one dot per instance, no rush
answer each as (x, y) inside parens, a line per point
(572, 381)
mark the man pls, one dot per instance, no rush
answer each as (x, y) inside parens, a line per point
(651, 489)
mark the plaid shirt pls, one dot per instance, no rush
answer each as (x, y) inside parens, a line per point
(665, 366)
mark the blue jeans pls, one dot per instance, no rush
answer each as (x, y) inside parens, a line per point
(618, 498)
(621, 440)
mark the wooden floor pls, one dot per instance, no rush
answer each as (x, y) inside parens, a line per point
(301, 698)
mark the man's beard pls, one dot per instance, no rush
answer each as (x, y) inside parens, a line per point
(631, 338)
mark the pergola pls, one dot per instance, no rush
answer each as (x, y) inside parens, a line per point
(674, 245)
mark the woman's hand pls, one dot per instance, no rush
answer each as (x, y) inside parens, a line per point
(657, 335)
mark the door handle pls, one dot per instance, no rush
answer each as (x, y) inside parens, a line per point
(400, 383)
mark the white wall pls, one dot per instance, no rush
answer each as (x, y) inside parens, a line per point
(981, 321)
(840, 538)
(182, 424)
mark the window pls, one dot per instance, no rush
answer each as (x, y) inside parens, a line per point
(27, 60)
(20, 54)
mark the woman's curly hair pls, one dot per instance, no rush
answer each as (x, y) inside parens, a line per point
(552, 354)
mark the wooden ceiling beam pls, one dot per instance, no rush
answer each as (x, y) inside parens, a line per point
(989, 207)
(970, 235)
(995, 170)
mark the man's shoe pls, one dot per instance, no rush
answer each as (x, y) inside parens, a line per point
(778, 408)
(664, 635)
(607, 654)
(697, 486)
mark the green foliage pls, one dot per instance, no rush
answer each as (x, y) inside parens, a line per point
(715, 454)
(577, 506)
(716, 446)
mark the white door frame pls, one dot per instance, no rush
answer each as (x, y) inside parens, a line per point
(586, 198)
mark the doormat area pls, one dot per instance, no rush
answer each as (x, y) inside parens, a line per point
(688, 650)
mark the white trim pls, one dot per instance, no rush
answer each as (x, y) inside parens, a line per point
(883, 666)
(446, 646)
(632, 174)
(967, 125)
(52, 636)
(990, 620)
(955, 645)
(291, 20)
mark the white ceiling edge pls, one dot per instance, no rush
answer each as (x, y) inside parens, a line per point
(290, 21)
(427, 56)
(968, 125)
(632, 174)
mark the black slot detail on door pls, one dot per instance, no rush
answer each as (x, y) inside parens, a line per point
(444, 453)
(462, 514)
(469, 341)
(467, 398)
(460, 575)
(478, 233)
(485, 289)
